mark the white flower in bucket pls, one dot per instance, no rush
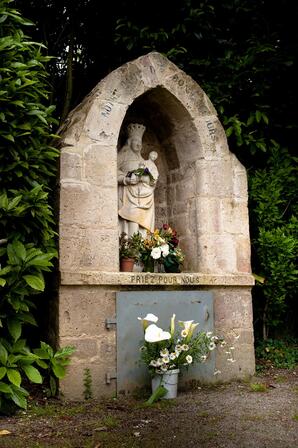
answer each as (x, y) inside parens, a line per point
(189, 359)
(149, 318)
(188, 329)
(155, 334)
(165, 352)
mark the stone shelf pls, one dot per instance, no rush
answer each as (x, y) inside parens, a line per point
(151, 279)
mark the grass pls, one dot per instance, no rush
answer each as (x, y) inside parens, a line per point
(280, 379)
(56, 410)
(111, 422)
(258, 387)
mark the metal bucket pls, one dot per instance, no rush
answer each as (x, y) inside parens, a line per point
(169, 380)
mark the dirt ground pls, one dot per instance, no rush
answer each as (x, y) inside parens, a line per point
(261, 413)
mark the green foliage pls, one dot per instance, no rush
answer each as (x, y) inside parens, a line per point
(27, 229)
(54, 362)
(273, 193)
(87, 384)
(17, 362)
(282, 354)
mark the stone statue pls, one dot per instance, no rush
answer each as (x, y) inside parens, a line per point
(137, 179)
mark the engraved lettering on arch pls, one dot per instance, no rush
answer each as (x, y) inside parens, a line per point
(107, 108)
(211, 129)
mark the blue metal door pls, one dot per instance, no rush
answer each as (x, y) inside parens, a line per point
(187, 305)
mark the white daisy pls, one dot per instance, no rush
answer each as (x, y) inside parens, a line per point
(185, 347)
(164, 352)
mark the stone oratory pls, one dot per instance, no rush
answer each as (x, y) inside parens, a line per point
(201, 192)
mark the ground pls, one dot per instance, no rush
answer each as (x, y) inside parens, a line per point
(261, 413)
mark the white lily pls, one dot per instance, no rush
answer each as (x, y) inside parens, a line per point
(188, 329)
(148, 319)
(155, 334)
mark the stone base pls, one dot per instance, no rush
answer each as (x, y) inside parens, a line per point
(87, 301)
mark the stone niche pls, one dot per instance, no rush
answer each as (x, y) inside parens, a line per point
(201, 191)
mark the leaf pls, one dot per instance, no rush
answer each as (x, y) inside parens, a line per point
(3, 371)
(59, 371)
(4, 432)
(12, 257)
(41, 260)
(12, 204)
(19, 399)
(3, 355)
(258, 116)
(14, 328)
(53, 386)
(259, 278)
(19, 249)
(41, 364)
(19, 345)
(8, 137)
(5, 388)
(5, 270)
(229, 131)
(14, 377)
(28, 318)
(35, 282)
(2, 281)
(43, 354)
(33, 374)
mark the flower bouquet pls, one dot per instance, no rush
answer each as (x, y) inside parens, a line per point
(140, 172)
(164, 352)
(161, 247)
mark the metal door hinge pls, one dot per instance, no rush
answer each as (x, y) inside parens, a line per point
(110, 322)
(110, 376)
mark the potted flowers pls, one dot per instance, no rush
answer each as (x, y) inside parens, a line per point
(129, 251)
(161, 247)
(165, 353)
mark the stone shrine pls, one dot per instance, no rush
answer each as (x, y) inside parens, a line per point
(201, 191)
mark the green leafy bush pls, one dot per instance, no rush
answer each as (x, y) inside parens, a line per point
(27, 227)
(273, 193)
(282, 354)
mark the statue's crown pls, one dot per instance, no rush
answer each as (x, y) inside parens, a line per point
(135, 130)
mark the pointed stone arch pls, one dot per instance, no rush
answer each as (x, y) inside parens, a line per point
(202, 190)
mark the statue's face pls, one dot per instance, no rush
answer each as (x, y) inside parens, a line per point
(153, 155)
(136, 145)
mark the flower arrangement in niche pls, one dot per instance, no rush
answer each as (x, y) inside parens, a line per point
(161, 247)
(169, 351)
(141, 171)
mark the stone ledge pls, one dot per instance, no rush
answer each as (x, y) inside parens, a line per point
(147, 278)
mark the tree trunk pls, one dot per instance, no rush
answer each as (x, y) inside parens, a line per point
(69, 79)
